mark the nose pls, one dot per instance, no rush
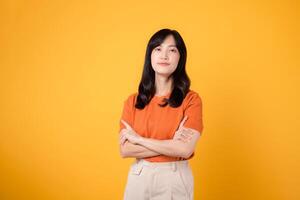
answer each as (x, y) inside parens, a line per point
(164, 55)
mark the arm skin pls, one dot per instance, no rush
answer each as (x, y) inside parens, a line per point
(148, 147)
(173, 148)
(129, 150)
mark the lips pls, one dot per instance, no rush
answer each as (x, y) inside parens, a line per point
(164, 64)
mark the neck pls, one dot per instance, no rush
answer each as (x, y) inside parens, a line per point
(163, 85)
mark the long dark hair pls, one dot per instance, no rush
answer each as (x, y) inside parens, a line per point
(181, 81)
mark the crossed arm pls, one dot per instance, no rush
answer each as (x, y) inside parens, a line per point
(129, 149)
(147, 147)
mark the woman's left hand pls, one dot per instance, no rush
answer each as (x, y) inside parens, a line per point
(129, 134)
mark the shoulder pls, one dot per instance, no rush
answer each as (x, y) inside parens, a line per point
(191, 98)
(131, 98)
(192, 95)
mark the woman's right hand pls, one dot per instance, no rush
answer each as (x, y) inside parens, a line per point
(181, 133)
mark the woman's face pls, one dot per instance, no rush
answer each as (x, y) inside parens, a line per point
(165, 57)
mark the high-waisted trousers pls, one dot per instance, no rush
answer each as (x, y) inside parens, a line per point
(159, 181)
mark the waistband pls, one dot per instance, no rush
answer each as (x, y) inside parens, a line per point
(138, 165)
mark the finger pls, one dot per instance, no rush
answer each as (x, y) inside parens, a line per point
(188, 132)
(123, 135)
(182, 139)
(176, 135)
(123, 131)
(120, 141)
(182, 135)
(126, 124)
(185, 136)
(187, 139)
(182, 122)
(123, 140)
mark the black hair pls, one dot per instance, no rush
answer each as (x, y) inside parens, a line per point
(181, 81)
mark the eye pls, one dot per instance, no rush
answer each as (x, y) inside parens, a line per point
(173, 50)
(157, 49)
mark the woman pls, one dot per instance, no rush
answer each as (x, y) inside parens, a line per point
(161, 124)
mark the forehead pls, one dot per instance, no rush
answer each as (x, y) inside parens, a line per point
(169, 41)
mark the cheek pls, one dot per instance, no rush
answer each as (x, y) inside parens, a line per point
(175, 60)
(153, 58)
(153, 61)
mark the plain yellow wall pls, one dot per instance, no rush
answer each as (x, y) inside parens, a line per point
(67, 67)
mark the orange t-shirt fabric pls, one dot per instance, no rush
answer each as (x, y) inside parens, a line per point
(161, 123)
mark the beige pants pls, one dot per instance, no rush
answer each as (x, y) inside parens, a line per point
(159, 181)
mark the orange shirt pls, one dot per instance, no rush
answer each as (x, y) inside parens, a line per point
(161, 122)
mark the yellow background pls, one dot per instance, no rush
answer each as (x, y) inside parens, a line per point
(67, 67)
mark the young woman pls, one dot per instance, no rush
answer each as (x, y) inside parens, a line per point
(161, 124)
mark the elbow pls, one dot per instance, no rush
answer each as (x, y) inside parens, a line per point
(186, 153)
(123, 153)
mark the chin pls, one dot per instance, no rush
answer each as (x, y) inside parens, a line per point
(166, 74)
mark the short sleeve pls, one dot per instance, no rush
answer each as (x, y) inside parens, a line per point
(127, 112)
(194, 112)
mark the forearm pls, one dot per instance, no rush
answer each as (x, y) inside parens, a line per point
(171, 147)
(136, 151)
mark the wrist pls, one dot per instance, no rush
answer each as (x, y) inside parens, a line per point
(141, 140)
